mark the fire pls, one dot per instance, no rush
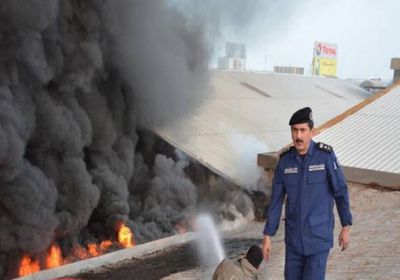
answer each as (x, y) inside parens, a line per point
(92, 248)
(28, 266)
(105, 244)
(125, 236)
(95, 249)
(54, 257)
(80, 252)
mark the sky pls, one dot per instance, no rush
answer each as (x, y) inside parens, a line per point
(283, 32)
(365, 31)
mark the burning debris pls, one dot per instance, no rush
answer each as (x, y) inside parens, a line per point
(28, 266)
(54, 258)
(77, 80)
(125, 236)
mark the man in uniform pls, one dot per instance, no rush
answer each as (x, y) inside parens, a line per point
(245, 268)
(310, 177)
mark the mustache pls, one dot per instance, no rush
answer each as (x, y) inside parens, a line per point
(299, 141)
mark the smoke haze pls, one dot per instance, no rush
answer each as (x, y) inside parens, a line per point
(77, 78)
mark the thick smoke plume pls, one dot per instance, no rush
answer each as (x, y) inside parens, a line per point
(160, 200)
(77, 79)
(256, 23)
(163, 57)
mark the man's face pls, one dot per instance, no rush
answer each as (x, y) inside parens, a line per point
(301, 136)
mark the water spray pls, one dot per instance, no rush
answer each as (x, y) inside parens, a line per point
(209, 244)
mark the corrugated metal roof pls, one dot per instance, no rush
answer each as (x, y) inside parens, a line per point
(370, 138)
(248, 113)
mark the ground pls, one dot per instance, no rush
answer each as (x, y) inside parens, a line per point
(374, 250)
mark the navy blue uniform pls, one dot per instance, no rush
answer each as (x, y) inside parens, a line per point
(311, 184)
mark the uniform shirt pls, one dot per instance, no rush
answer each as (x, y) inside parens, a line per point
(235, 270)
(311, 186)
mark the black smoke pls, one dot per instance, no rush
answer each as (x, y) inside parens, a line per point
(77, 79)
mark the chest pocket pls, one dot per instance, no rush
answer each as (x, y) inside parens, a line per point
(317, 177)
(291, 179)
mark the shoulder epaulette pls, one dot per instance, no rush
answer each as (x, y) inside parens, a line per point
(285, 151)
(324, 147)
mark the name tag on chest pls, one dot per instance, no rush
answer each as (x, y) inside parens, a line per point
(290, 170)
(316, 167)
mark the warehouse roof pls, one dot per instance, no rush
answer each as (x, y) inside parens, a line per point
(369, 138)
(248, 113)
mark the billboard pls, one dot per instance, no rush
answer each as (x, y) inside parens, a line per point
(324, 60)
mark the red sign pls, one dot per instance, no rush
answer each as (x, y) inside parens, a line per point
(325, 50)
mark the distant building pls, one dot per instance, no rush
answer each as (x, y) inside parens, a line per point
(289, 70)
(395, 65)
(235, 57)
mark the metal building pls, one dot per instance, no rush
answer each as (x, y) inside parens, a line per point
(248, 113)
(367, 140)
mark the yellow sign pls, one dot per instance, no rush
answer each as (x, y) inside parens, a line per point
(324, 66)
(324, 61)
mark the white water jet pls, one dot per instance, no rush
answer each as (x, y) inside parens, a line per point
(209, 244)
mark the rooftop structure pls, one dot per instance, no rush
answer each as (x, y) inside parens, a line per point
(248, 113)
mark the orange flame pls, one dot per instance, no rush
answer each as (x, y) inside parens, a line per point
(105, 244)
(54, 257)
(80, 252)
(92, 248)
(125, 236)
(28, 266)
(98, 249)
